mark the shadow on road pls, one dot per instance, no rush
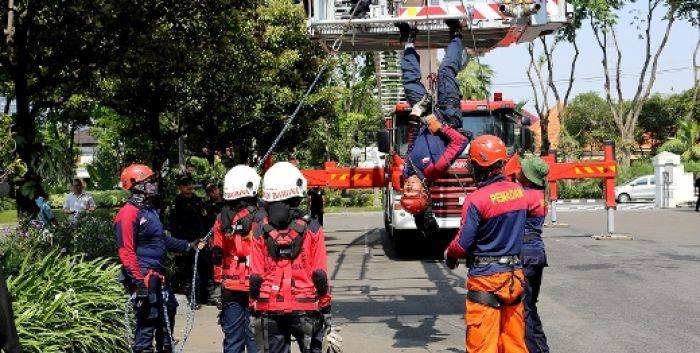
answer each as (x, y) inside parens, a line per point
(409, 297)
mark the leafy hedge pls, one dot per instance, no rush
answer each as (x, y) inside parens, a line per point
(349, 198)
(103, 199)
(65, 304)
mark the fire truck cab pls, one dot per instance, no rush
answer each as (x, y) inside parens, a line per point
(497, 117)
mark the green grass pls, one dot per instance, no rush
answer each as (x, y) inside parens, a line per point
(8, 217)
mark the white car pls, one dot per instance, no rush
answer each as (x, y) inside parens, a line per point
(636, 189)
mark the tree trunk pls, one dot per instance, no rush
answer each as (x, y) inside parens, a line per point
(27, 148)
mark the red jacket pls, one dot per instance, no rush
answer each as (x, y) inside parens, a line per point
(287, 284)
(231, 251)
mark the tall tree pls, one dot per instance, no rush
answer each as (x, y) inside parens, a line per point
(51, 51)
(547, 95)
(626, 116)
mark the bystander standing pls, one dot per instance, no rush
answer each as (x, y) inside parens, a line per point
(78, 202)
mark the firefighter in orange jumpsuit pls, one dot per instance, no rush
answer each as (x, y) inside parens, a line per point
(289, 284)
(491, 238)
(233, 230)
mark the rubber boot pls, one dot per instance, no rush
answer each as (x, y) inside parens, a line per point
(408, 32)
(455, 27)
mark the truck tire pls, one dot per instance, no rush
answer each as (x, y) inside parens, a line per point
(405, 243)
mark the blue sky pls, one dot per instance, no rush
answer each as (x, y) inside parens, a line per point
(675, 65)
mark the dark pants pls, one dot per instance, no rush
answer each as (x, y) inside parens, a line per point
(448, 94)
(236, 324)
(535, 338)
(317, 215)
(280, 329)
(697, 203)
(150, 322)
(9, 343)
(206, 287)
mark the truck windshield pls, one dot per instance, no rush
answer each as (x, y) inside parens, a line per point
(479, 123)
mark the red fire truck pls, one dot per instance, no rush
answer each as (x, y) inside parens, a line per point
(496, 117)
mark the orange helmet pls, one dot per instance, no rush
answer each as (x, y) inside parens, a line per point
(414, 199)
(486, 150)
(133, 174)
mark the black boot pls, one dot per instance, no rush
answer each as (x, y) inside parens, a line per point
(408, 32)
(455, 27)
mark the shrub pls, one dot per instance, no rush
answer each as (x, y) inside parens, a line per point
(68, 304)
(580, 189)
(103, 199)
(349, 198)
(7, 203)
(636, 169)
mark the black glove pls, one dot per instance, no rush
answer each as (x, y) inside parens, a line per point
(320, 280)
(451, 263)
(255, 284)
(195, 244)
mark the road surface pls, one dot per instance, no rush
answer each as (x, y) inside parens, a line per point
(638, 295)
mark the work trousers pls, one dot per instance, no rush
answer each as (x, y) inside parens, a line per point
(534, 333)
(236, 323)
(274, 333)
(496, 330)
(448, 94)
(151, 323)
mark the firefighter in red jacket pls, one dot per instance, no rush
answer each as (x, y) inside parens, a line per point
(491, 238)
(289, 284)
(232, 243)
(143, 247)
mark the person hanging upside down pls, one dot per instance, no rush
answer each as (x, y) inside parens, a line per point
(434, 142)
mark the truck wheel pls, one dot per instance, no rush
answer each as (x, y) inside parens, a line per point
(405, 243)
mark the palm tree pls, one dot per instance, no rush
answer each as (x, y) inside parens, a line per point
(475, 80)
(686, 141)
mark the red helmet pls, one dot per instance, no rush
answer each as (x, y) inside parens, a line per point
(415, 203)
(486, 150)
(133, 174)
(414, 199)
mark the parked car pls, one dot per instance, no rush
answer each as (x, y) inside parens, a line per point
(641, 188)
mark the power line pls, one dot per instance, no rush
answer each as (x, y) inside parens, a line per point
(590, 78)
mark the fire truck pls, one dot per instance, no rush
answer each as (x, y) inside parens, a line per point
(495, 117)
(491, 24)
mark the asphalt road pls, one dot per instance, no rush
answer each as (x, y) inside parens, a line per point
(608, 296)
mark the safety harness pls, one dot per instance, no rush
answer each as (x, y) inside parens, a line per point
(236, 227)
(489, 298)
(285, 245)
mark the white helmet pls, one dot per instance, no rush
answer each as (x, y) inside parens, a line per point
(241, 181)
(283, 181)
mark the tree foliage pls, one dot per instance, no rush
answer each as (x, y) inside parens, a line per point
(475, 80)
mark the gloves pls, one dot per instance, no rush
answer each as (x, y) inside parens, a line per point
(320, 280)
(197, 244)
(255, 285)
(450, 262)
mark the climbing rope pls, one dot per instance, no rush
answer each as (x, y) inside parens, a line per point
(335, 47)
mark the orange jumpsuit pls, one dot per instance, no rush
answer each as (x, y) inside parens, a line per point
(491, 237)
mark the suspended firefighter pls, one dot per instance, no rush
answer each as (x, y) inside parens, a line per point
(491, 238)
(289, 284)
(434, 142)
(533, 176)
(142, 247)
(232, 243)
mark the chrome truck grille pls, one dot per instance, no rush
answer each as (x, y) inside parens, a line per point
(449, 192)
